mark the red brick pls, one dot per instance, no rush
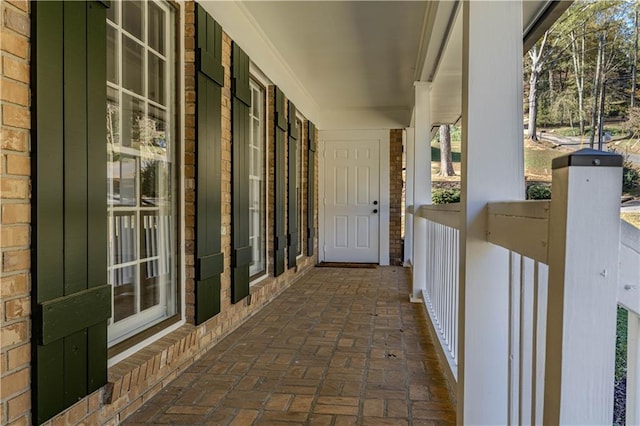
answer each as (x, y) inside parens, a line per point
(18, 357)
(20, 4)
(13, 383)
(15, 188)
(18, 405)
(14, 92)
(16, 213)
(15, 69)
(17, 308)
(18, 165)
(14, 43)
(19, 22)
(16, 116)
(14, 236)
(16, 260)
(13, 285)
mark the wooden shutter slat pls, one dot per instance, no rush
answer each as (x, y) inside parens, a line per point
(292, 217)
(69, 314)
(48, 150)
(241, 253)
(280, 237)
(75, 142)
(311, 160)
(69, 207)
(210, 78)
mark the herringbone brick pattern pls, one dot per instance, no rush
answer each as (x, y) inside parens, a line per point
(341, 346)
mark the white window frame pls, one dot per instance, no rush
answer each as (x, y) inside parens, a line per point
(168, 293)
(257, 75)
(299, 181)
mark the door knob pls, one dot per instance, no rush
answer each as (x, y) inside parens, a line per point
(375, 210)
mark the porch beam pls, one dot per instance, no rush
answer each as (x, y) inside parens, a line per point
(421, 184)
(492, 170)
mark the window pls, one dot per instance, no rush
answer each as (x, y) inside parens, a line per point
(142, 153)
(257, 196)
(299, 156)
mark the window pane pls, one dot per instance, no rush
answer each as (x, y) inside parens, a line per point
(124, 237)
(157, 126)
(121, 174)
(133, 121)
(150, 284)
(132, 66)
(132, 13)
(156, 27)
(113, 119)
(112, 11)
(155, 183)
(112, 54)
(156, 79)
(124, 292)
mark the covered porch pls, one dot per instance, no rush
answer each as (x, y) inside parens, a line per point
(340, 346)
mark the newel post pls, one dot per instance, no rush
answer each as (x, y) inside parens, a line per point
(584, 238)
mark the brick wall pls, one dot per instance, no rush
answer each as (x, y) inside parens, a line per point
(15, 193)
(190, 158)
(395, 197)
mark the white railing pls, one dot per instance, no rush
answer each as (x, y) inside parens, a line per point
(629, 297)
(441, 293)
(522, 228)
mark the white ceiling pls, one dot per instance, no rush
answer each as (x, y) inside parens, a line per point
(357, 60)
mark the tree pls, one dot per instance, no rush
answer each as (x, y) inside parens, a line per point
(446, 163)
(537, 56)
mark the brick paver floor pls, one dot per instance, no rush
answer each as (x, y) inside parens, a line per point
(340, 346)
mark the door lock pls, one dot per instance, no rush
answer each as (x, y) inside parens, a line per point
(375, 203)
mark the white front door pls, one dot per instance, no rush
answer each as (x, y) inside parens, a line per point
(352, 201)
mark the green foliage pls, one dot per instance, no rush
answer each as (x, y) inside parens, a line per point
(630, 173)
(445, 195)
(630, 176)
(538, 192)
(621, 344)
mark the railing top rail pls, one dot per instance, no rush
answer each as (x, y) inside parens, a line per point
(410, 209)
(534, 209)
(520, 226)
(445, 214)
(630, 236)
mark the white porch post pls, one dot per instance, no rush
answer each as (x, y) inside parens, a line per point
(492, 170)
(584, 247)
(408, 197)
(421, 185)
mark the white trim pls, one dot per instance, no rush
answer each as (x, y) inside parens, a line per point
(240, 25)
(383, 137)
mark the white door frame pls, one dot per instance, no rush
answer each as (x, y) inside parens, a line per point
(382, 136)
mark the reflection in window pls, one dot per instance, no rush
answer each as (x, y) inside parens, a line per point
(141, 150)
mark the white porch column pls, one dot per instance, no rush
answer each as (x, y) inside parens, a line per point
(408, 197)
(421, 184)
(492, 169)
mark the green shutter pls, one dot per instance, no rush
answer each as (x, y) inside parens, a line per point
(280, 237)
(311, 163)
(71, 300)
(292, 217)
(210, 78)
(241, 251)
